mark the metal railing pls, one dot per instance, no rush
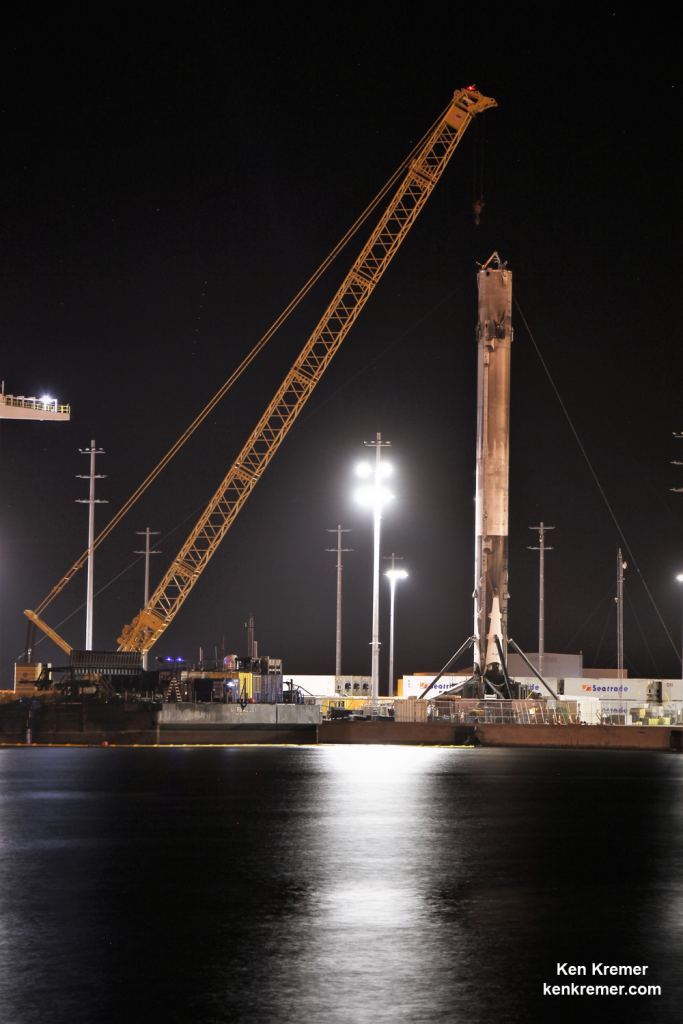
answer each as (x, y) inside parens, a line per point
(21, 402)
(507, 712)
(462, 712)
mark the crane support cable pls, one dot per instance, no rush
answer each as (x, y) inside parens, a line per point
(596, 481)
(237, 373)
(422, 176)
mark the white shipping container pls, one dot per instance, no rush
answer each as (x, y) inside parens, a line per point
(413, 686)
(324, 686)
(619, 697)
(319, 686)
(614, 689)
(672, 690)
(613, 694)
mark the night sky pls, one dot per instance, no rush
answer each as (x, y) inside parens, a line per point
(168, 185)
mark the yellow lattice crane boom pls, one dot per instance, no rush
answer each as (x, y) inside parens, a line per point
(429, 161)
(311, 363)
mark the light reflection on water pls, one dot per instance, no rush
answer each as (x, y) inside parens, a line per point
(340, 884)
(368, 917)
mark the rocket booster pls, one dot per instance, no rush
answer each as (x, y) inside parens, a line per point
(494, 339)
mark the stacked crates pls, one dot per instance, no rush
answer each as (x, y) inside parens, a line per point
(273, 687)
(266, 689)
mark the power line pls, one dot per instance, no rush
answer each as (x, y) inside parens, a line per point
(236, 374)
(596, 479)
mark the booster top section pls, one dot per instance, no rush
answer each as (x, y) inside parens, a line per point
(494, 283)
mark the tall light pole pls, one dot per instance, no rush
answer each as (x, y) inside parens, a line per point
(393, 575)
(541, 548)
(679, 579)
(147, 534)
(91, 500)
(678, 490)
(375, 495)
(339, 551)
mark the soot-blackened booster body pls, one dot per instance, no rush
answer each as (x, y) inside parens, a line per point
(494, 338)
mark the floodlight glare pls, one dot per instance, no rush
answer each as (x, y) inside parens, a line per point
(679, 577)
(396, 574)
(373, 496)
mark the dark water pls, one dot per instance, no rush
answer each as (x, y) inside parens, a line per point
(346, 884)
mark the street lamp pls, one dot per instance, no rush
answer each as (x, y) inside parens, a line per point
(679, 579)
(393, 575)
(375, 495)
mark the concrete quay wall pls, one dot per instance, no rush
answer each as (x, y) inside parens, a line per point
(95, 724)
(212, 716)
(231, 724)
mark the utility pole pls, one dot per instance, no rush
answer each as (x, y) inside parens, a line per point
(541, 548)
(677, 462)
(621, 565)
(91, 500)
(250, 626)
(146, 533)
(340, 551)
